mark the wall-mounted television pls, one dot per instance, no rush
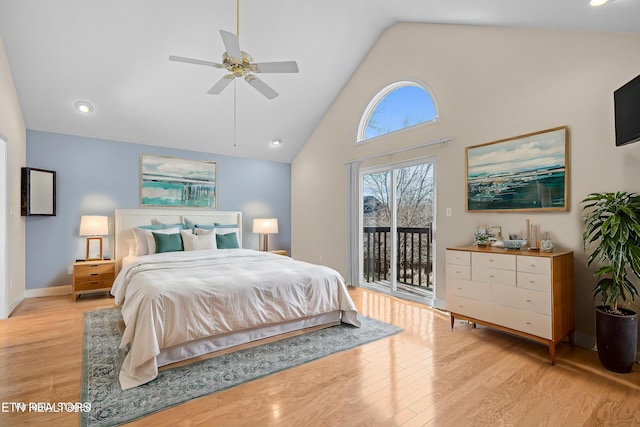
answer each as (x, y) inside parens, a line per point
(626, 101)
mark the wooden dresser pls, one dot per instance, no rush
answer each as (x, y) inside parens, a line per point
(93, 276)
(529, 294)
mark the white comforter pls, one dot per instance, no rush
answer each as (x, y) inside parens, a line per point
(172, 298)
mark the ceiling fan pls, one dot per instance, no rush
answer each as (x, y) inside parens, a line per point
(240, 64)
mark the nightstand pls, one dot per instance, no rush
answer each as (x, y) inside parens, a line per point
(279, 252)
(93, 276)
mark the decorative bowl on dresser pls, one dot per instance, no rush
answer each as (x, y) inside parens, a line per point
(93, 276)
(529, 294)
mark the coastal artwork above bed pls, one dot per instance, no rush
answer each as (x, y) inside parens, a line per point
(524, 173)
(171, 182)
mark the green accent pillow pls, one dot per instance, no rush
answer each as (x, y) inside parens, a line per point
(168, 242)
(161, 226)
(188, 224)
(218, 225)
(227, 241)
(204, 226)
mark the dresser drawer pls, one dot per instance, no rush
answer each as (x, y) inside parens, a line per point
(469, 289)
(537, 265)
(458, 257)
(532, 323)
(536, 282)
(488, 260)
(494, 276)
(458, 271)
(468, 307)
(523, 299)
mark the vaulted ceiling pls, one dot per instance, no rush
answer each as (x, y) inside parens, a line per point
(114, 54)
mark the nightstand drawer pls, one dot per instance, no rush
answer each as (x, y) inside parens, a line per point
(93, 285)
(91, 271)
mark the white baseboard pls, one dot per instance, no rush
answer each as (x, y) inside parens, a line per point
(48, 292)
(13, 305)
(439, 304)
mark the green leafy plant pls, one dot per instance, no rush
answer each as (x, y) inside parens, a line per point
(613, 222)
(483, 235)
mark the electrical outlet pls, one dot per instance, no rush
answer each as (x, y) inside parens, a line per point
(448, 211)
(70, 269)
(10, 283)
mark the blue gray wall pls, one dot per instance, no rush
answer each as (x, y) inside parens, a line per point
(96, 176)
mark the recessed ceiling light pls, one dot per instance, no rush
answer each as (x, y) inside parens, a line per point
(276, 142)
(596, 3)
(83, 107)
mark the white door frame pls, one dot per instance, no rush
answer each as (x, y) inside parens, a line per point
(391, 167)
(4, 218)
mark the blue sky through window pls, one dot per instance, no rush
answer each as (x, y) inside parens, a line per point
(401, 108)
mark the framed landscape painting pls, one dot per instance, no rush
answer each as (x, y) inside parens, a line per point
(171, 182)
(524, 173)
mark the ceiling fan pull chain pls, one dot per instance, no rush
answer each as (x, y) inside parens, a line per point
(235, 112)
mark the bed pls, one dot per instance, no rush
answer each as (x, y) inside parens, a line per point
(178, 305)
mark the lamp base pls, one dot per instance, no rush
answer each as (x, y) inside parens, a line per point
(263, 242)
(94, 247)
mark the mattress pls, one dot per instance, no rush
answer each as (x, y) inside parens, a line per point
(172, 299)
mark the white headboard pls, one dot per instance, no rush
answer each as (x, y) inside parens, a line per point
(127, 219)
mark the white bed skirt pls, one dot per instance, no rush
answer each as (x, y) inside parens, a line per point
(207, 345)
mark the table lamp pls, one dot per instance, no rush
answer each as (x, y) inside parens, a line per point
(94, 227)
(265, 227)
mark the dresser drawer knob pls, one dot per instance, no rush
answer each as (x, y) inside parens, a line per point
(528, 300)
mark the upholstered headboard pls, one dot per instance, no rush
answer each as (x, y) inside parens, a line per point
(127, 219)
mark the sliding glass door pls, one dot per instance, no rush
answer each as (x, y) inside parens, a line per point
(397, 216)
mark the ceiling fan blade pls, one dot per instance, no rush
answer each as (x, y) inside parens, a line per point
(275, 67)
(221, 84)
(261, 86)
(195, 61)
(232, 44)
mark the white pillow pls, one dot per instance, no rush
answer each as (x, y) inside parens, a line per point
(151, 242)
(131, 244)
(203, 231)
(196, 242)
(142, 247)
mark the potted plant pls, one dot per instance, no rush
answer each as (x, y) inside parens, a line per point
(612, 223)
(482, 236)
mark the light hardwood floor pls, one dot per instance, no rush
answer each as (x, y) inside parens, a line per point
(427, 375)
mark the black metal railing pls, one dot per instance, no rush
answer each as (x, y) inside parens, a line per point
(414, 257)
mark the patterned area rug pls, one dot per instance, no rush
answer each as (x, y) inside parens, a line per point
(112, 406)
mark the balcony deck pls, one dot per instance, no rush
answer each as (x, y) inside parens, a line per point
(414, 264)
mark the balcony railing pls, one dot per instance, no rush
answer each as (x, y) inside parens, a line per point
(414, 258)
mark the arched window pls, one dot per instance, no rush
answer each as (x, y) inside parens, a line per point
(398, 106)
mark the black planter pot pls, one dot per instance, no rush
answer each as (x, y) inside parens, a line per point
(617, 339)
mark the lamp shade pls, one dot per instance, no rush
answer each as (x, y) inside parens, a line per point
(265, 226)
(92, 225)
